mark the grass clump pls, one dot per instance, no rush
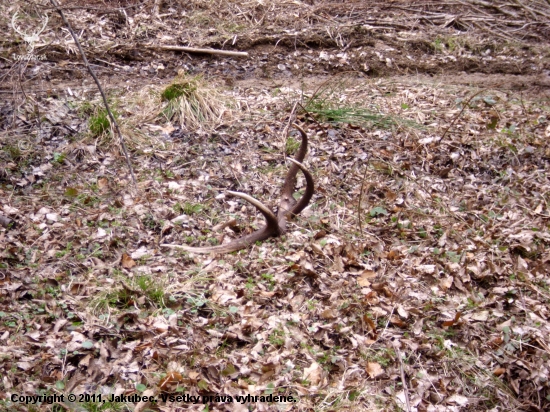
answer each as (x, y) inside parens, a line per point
(192, 102)
(188, 208)
(143, 291)
(329, 111)
(292, 146)
(100, 123)
(176, 90)
(13, 152)
(327, 105)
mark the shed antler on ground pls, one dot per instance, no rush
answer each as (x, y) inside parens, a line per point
(275, 224)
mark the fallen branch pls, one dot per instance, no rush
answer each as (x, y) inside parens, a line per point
(197, 50)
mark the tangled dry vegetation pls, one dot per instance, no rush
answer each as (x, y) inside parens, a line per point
(417, 280)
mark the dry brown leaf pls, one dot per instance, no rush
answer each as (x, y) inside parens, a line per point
(170, 382)
(374, 369)
(446, 282)
(102, 183)
(328, 314)
(364, 278)
(371, 324)
(394, 254)
(313, 373)
(384, 288)
(142, 405)
(127, 262)
(395, 320)
(338, 265)
(402, 312)
(371, 298)
(499, 371)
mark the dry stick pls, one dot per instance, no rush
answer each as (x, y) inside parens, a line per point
(197, 50)
(459, 114)
(290, 121)
(522, 104)
(492, 6)
(359, 221)
(403, 380)
(111, 117)
(532, 11)
(493, 32)
(102, 9)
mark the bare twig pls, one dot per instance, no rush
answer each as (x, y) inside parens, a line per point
(459, 114)
(290, 119)
(532, 11)
(493, 6)
(103, 10)
(111, 117)
(403, 379)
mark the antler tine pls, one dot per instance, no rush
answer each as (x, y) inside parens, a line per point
(290, 179)
(302, 203)
(271, 229)
(288, 202)
(310, 189)
(270, 217)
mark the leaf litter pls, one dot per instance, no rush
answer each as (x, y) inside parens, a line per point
(438, 301)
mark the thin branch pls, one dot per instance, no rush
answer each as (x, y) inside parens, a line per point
(102, 9)
(111, 117)
(459, 114)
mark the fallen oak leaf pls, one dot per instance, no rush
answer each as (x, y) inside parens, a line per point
(374, 369)
(383, 288)
(371, 324)
(313, 373)
(499, 371)
(127, 262)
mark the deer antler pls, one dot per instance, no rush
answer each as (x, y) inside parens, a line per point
(275, 225)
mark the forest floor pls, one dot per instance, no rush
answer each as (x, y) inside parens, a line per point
(416, 280)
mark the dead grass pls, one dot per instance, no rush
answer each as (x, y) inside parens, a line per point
(193, 103)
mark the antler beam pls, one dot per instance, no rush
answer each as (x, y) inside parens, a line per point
(275, 224)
